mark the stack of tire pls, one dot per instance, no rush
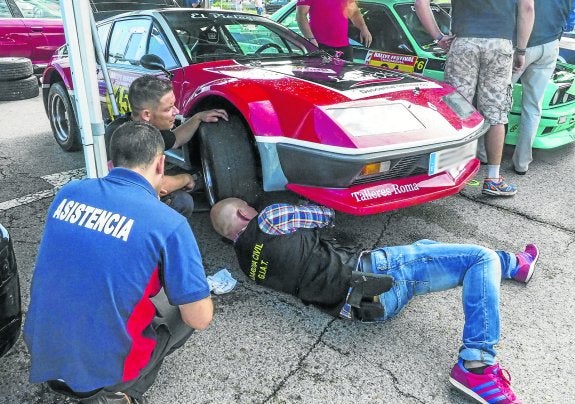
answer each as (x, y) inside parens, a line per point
(17, 80)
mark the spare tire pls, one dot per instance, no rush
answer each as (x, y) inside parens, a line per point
(19, 89)
(14, 68)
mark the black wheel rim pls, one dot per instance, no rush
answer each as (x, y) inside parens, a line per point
(208, 178)
(60, 119)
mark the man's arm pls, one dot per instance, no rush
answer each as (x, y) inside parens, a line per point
(198, 315)
(425, 15)
(301, 13)
(185, 131)
(357, 20)
(525, 18)
(283, 218)
(171, 183)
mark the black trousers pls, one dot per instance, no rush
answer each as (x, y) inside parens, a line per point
(346, 50)
(171, 333)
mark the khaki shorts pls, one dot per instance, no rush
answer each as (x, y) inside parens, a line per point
(480, 69)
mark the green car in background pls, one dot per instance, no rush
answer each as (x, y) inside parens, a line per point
(400, 42)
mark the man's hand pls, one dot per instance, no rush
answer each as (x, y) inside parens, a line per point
(171, 183)
(518, 62)
(213, 115)
(185, 131)
(365, 37)
(445, 41)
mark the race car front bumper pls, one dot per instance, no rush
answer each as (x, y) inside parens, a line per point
(383, 196)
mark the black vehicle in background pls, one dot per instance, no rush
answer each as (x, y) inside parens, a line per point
(10, 302)
(272, 6)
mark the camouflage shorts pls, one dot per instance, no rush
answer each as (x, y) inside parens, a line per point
(480, 69)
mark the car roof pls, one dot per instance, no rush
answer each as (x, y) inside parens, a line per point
(201, 13)
(104, 8)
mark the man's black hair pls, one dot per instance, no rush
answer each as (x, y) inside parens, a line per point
(135, 144)
(146, 91)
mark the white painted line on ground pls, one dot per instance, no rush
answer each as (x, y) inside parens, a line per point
(57, 180)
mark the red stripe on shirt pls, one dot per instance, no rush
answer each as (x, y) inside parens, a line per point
(141, 318)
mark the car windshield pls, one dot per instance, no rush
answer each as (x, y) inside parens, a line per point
(39, 8)
(407, 14)
(206, 36)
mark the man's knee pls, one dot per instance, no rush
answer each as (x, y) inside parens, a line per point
(181, 201)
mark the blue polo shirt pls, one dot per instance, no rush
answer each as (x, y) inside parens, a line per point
(483, 19)
(108, 246)
(550, 19)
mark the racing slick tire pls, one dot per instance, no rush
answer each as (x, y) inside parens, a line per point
(15, 68)
(228, 162)
(20, 89)
(63, 119)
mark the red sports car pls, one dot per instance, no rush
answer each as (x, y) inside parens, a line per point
(357, 138)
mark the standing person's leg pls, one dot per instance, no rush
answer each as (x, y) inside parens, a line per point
(462, 67)
(462, 72)
(494, 91)
(542, 60)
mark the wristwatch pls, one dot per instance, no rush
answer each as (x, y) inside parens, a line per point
(438, 39)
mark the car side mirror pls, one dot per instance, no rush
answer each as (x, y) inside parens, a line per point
(404, 48)
(154, 62)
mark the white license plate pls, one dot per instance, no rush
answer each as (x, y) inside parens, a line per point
(443, 160)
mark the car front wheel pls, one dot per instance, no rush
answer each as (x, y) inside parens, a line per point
(62, 118)
(228, 161)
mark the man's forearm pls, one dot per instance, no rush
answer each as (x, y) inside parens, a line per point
(525, 18)
(303, 22)
(425, 15)
(171, 183)
(186, 131)
(282, 218)
(357, 19)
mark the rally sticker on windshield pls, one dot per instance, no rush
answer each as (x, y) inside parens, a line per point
(395, 61)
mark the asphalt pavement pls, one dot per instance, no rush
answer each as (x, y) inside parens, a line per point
(266, 347)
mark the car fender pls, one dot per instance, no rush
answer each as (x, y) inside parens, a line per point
(250, 101)
(53, 74)
(258, 113)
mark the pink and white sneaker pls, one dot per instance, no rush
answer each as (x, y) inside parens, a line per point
(526, 261)
(493, 386)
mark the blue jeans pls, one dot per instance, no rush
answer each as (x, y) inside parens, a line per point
(181, 201)
(429, 266)
(539, 65)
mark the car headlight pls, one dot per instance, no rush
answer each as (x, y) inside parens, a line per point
(369, 170)
(459, 104)
(375, 119)
(556, 97)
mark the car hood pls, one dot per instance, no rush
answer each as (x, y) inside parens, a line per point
(564, 73)
(352, 105)
(336, 80)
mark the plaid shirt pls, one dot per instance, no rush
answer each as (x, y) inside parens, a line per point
(282, 218)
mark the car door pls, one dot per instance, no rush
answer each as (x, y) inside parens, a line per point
(43, 28)
(126, 41)
(14, 36)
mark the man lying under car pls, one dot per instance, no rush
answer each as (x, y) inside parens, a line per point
(282, 248)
